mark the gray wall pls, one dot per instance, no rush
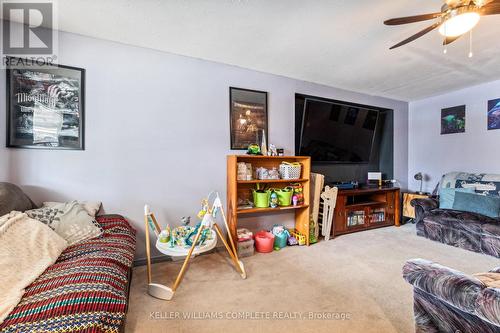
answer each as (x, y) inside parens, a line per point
(476, 150)
(157, 130)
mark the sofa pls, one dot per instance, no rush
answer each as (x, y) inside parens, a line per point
(85, 290)
(446, 300)
(467, 230)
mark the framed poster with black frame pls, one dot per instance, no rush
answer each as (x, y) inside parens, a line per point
(45, 106)
(248, 117)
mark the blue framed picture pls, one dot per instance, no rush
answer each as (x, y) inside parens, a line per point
(494, 114)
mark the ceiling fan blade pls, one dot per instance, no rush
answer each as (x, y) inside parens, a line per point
(482, 3)
(449, 40)
(492, 8)
(417, 35)
(412, 19)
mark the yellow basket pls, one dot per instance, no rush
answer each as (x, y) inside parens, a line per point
(298, 236)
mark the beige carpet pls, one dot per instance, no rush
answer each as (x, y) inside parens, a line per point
(356, 276)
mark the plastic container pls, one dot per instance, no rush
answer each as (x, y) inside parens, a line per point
(264, 241)
(280, 240)
(285, 196)
(246, 248)
(261, 198)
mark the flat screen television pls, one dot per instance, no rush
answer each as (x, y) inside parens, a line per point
(338, 133)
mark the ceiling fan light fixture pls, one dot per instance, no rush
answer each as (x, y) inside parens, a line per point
(457, 25)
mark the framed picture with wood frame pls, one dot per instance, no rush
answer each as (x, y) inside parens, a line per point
(45, 106)
(247, 116)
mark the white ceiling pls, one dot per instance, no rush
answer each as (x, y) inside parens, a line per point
(340, 43)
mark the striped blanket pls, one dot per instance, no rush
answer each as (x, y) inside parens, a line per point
(85, 290)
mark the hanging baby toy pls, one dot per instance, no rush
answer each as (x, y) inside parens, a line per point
(189, 241)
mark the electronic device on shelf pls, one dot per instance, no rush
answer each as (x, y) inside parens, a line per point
(345, 185)
(374, 179)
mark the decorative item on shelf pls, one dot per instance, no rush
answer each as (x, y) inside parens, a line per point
(273, 201)
(295, 200)
(290, 170)
(263, 145)
(298, 191)
(272, 150)
(265, 174)
(245, 204)
(280, 151)
(274, 173)
(244, 171)
(284, 196)
(254, 149)
(262, 173)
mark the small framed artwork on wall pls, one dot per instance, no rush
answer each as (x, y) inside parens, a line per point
(494, 114)
(248, 116)
(453, 120)
(45, 106)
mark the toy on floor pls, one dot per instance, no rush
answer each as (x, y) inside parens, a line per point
(280, 236)
(188, 241)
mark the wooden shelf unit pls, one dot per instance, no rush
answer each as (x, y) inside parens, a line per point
(365, 204)
(243, 189)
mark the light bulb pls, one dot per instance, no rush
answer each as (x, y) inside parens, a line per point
(471, 54)
(460, 24)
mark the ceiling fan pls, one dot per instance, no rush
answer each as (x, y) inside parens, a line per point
(456, 18)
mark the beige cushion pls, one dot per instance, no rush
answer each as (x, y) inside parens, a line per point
(491, 280)
(91, 207)
(70, 220)
(27, 248)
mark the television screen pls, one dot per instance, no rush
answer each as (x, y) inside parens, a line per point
(337, 133)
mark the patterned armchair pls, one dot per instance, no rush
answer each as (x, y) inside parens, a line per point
(446, 300)
(470, 231)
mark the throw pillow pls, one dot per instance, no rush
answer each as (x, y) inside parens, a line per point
(91, 207)
(13, 198)
(447, 196)
(477, 203)
(71, 221)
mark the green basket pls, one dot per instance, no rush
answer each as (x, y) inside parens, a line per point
(285, 196)
(261, 198)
